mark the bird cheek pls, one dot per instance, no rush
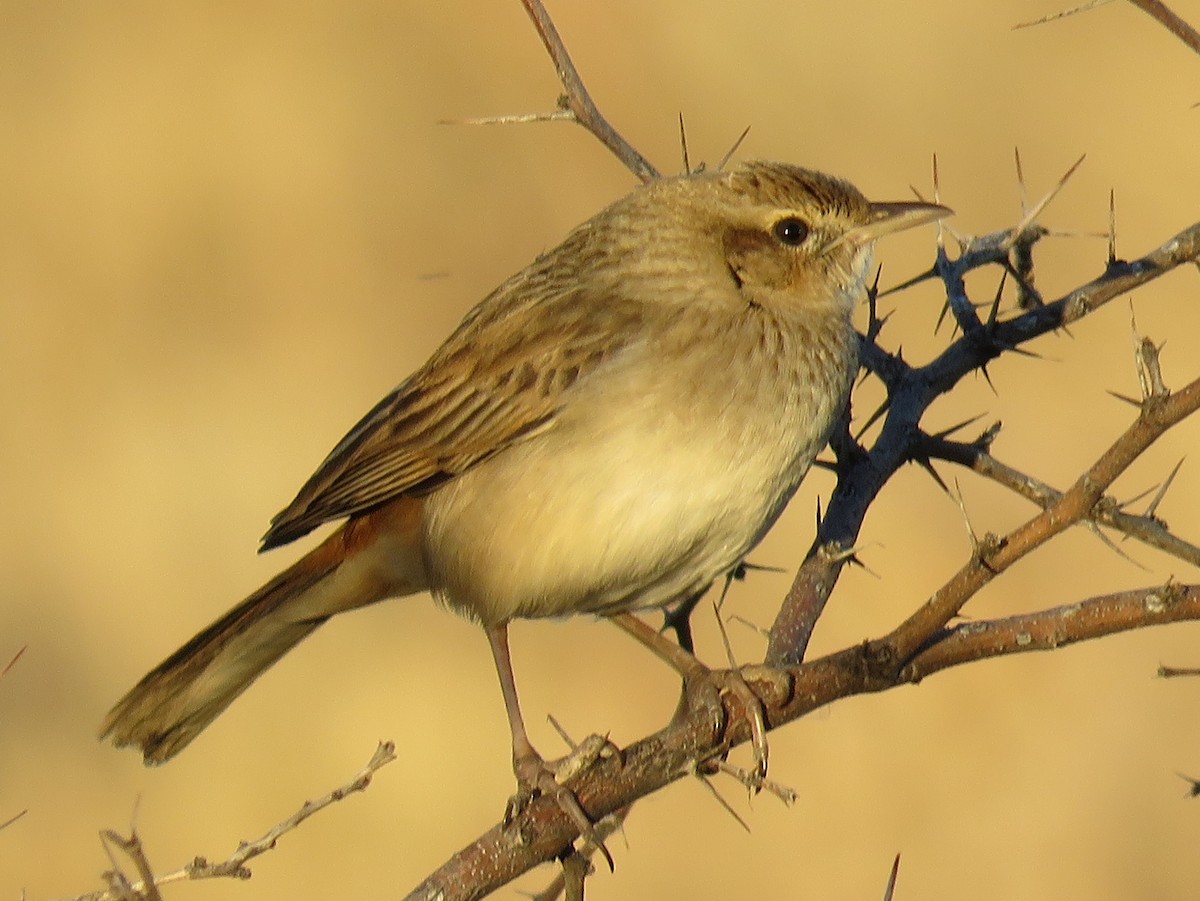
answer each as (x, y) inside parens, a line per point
(862, 262)
(848, 266)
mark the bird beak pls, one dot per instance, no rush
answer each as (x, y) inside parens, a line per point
(888, 218)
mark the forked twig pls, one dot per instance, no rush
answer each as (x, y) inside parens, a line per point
(1156, 9)
(579, 102)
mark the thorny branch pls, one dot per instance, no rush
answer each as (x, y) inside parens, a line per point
(922, 645)
(993, 556)
(1146, 528)
(1156, 9)
(863, 472)
(502, 854)
(926, 643)
(694, 744)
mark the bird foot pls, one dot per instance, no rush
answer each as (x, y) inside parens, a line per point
(537, 777)
(706, 690)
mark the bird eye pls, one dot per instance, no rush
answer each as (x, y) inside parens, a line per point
(791, 231)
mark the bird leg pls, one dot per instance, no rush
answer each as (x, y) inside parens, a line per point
(534, 775)
(704, 687)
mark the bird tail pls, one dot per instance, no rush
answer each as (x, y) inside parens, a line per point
(364, 561)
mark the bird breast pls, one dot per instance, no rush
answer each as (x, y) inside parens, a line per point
(662, 469)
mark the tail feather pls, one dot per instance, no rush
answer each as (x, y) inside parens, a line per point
(176, 700)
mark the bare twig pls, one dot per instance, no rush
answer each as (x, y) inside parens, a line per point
(733, 148)
(1057, 627)
(579, 102)
(1171, 672)
(118, 882)
(17, 656)
(1062, 14)
(1162, 14)
(234, 866)
(1157, 10)
(558, 115)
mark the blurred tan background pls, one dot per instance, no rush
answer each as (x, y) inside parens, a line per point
(225, 232)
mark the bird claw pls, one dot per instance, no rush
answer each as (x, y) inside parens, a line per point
(707, 689)
(537, 777)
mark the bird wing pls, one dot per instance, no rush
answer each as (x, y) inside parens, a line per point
(501, 377)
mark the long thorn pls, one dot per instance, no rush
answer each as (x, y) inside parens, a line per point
(994, 312)
(558, 115)
(962, 506)
(687, 165)
(958, 426)
(732, 150)
(1021, 181)
(1083, 7)
(1111, 545)
(1036, 211)
(721, 800)
(891, 883)
(1112, 226)
(1162, 492)
(937, 198)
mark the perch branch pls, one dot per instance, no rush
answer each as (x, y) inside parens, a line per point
(544, 831)
(1056, 627)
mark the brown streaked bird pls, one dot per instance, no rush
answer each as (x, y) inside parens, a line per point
(613, 428)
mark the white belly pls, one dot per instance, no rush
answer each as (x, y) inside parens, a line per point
(651, 485)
